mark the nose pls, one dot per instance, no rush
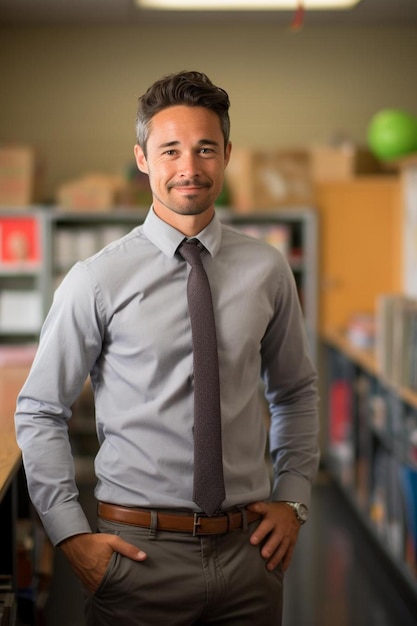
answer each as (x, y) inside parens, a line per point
(189, 166)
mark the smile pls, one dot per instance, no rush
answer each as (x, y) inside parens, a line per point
(189, 186)
(190, 189)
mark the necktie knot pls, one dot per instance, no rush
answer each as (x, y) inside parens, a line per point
(190, 252)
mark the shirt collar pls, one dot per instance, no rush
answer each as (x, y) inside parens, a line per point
(167, 238)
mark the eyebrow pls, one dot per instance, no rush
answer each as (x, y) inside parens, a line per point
(201, 142)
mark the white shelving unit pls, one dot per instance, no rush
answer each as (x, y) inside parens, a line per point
(63, 238)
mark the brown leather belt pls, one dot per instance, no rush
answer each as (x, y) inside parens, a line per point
(197, 523)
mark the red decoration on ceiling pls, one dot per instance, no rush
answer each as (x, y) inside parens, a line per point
(298, 19)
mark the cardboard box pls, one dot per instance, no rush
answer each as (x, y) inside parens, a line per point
(341, 163)
(268, 179)
(93, 192)
(20, 176)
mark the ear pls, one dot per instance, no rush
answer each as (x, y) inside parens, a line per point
(141, 159)
(227, 153)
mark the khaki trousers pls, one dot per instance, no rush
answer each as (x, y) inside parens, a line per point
(187, 581)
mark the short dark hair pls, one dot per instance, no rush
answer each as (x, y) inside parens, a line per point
(184, 88)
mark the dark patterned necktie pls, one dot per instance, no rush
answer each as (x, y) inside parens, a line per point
(209, 491)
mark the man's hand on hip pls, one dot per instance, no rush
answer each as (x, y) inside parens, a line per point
(90, 553)
(278, 529)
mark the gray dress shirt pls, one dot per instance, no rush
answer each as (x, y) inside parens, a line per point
(121, 317)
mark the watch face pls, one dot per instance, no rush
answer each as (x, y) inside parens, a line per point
(303, 512)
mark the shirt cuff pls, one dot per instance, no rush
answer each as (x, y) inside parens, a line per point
(65, 520)
(292, 488)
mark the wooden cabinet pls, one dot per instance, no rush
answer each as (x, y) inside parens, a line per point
(360, 245)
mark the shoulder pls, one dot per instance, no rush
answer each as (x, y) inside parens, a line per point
(249, 247)
(107, 268)
(119, 249)
(118, 258)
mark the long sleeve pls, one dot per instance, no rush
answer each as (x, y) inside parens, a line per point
(291, 391)
(69, 344)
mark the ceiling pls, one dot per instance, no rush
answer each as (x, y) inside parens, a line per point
(366, 13)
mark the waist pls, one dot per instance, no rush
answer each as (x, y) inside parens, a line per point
(195, 523)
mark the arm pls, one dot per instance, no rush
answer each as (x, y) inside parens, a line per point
(70, 343)
(291, 391)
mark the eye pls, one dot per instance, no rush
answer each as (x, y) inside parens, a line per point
(206, 150)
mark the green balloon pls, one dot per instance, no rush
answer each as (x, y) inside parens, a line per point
(392, 133)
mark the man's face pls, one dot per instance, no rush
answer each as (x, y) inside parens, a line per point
(185, 160)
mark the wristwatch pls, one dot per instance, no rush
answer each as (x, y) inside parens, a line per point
(300, 510)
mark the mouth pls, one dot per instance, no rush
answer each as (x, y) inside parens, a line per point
(188, 187)
(188, 190)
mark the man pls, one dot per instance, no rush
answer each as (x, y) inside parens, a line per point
(122, 316)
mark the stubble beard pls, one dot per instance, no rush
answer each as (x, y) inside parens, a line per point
(190, 204)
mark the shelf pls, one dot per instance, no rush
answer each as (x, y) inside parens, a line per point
(75, 236)
(63, 237)
(399, 571)
(126, 216)
(367, 360)
(371, 449)
(17, 271)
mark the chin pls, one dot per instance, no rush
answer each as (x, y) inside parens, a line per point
(193, 210)
(193, 206)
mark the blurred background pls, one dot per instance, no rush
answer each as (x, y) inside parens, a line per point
(315, 170)
(72, 70)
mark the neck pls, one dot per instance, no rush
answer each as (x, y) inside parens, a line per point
(188, 225)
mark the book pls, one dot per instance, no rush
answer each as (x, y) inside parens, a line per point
(20, 311)
(409, 488)
(396, 339)
(387, 511)
(20, 241)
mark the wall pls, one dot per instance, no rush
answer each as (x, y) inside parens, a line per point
(72, 91)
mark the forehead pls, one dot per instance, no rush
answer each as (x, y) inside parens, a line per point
(176, 123)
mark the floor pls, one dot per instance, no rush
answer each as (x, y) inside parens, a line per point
(337, 577)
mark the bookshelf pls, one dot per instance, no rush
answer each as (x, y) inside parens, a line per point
(371, 449)
(66, 237)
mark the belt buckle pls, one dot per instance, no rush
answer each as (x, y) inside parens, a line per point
(196, 522)
(200, 515)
